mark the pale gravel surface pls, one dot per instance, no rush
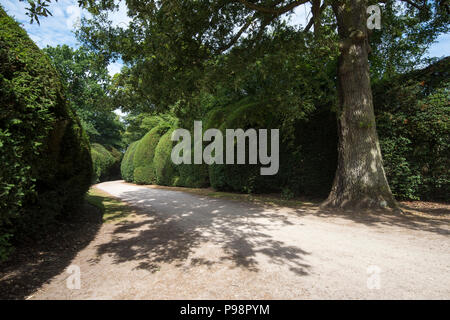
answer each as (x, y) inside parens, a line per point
(185, 246)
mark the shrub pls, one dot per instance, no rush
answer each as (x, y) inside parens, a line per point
(104, 163)
(245, 177)
(192, 175)
(412, 122)
(165, 169)
(46, 163)
(126, 166)
(144, 170)
(310, 167)
(144, 175)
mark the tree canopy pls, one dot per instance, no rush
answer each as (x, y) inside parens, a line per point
(189, 56)
(87, 83)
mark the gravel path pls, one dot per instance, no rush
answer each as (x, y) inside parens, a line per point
(185, 246)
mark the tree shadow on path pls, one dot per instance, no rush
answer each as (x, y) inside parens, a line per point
(171, 226)
(435, 221)
(35, 263)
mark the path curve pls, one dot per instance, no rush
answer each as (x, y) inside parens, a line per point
(186, 246)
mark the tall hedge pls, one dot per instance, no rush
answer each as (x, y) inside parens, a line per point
(126, 166)
(247, 114)
(45, 160)
(193, 175)
(165, 170)
(313, 160)
(412, 115)
(144, 169)
(106, 163)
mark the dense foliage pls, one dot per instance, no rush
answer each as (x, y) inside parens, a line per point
(87, 83)
(144, 170)
(412, 121)
(126, 166)
(46, 165)
(188, 60)
(106, 163)
(165, 170)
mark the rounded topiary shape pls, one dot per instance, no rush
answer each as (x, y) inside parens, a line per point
(46, 163)
(192, 175)
(165, 169)
(126, 166)
(144, 171)
(144, 175)
(103, 162)
(244, 114)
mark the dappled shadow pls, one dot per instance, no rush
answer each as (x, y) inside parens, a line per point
(34, 263)
(380, 218)
(433, 209)
(172, 225)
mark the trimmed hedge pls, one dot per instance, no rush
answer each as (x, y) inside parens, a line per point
(106, 163)
(307, 151)
(243, 177)
(193, 175)
(412, 115)
(165, 170)
(126, 166)
(144, 170)
(114, 172)
(46, 163)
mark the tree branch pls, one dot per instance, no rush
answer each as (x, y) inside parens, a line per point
(416, 5)
(271, 10)
(311, 21)
(309, 25)
(238, 34)
(263, 26)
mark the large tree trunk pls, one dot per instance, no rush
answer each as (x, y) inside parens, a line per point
(360, 180)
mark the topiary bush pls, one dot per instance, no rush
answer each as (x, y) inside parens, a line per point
(310, 164)
(46, 163)
(412, 122)
(144, 175)
(415, 142)
(192, 175)
(144, 170)
(166, 171)
(104, 162)
(246, 178)
(126, 166)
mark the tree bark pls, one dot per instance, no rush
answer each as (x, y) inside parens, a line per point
(315, 9)
(360, 181)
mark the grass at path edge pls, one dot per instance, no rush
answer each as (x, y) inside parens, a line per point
(113, 209)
